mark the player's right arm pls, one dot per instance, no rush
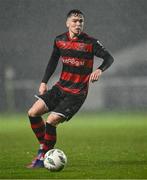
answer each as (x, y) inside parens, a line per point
(51, 66)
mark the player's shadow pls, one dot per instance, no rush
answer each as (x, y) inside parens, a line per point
(133, 162)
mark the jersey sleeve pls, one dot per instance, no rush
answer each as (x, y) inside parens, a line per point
(101, 52)
(52, 64)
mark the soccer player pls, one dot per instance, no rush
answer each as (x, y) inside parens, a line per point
(76, 50)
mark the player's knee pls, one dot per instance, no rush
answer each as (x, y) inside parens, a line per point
(55, 119)
(32, 112)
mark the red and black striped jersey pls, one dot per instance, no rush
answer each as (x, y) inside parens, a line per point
(77, 57)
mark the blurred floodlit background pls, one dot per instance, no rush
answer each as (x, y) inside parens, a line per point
(27, 32)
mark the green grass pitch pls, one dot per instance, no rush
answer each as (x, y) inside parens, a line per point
(98, 146)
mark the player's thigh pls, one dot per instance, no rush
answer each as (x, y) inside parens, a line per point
(39, 108)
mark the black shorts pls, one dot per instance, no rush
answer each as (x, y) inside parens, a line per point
(62, 103)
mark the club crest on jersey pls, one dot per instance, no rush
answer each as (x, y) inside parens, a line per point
(82, 47)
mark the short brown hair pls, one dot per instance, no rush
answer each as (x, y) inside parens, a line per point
(75, 12)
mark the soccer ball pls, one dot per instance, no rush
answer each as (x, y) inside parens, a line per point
(55, 160)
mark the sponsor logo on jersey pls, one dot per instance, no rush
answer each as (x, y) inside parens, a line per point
(73, 61)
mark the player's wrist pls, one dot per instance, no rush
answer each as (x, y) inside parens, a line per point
(99, 70)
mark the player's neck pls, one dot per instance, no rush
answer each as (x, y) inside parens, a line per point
(72, 35)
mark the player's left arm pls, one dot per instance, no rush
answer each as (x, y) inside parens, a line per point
(101, 52)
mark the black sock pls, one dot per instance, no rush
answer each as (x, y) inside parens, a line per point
(49, 138)
(38, 127)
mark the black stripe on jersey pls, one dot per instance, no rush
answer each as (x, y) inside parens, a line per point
(72, 85)
(76, 54)
(77, 70)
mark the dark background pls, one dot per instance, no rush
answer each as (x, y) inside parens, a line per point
(28, 29)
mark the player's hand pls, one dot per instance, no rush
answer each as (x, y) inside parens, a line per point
(95, 75)
(43, 88)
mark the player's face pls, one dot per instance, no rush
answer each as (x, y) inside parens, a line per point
(75, 24)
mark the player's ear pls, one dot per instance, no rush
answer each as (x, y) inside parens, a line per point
(67, 23)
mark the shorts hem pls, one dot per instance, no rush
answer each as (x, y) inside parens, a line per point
(60, 114)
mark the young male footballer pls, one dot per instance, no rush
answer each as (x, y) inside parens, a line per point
(76, 50)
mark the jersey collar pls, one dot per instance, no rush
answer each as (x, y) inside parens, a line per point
(74, 39)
